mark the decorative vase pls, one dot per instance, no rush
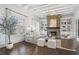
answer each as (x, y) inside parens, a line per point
(9, 46)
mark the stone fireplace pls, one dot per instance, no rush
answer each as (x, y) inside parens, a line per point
(53, 32)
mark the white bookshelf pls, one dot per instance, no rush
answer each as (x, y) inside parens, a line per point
(43, 26)
(65, 27)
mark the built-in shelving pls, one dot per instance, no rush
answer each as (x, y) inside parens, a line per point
(43, 26)
(65, 27)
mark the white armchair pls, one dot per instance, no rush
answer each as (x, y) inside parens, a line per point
(41, 42)
(51, 43)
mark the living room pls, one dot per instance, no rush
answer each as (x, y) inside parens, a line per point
(39, 29)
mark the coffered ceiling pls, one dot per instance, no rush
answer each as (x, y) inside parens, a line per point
(45, 9)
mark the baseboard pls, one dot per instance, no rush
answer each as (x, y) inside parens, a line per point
(17, 41)
(67, 49)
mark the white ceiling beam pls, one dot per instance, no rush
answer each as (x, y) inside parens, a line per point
(54, 8)
(32, 6)
(42, 6)
(60, 10)
(57, 11)
(62, 13)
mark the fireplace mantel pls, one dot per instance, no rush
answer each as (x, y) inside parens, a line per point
(53, 27)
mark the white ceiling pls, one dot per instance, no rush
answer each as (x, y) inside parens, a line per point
(45, 9)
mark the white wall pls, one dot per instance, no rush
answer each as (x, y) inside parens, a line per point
(2, 36)
(76, 17)
(19, 36)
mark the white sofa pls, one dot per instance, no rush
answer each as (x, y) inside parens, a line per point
(52, 43)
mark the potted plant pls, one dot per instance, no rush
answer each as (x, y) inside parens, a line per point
(11, 23)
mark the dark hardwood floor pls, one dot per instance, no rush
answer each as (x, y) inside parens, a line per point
(24, 48)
